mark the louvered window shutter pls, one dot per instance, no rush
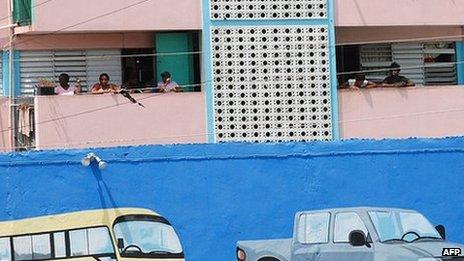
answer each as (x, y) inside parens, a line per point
(440, 64)
(375, 57)
(34, 65)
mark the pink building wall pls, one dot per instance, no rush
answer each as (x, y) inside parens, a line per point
(375, 34)
(402, 112)
(150, 15)
(398, 12)
(109, 120)
(4, 21)
(186, 14)
(5, 141)
(85, 41)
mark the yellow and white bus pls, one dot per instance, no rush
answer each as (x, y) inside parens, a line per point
(106, 234)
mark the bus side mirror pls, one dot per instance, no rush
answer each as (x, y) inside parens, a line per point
(120, 243)
(358, 238)
(441, 230)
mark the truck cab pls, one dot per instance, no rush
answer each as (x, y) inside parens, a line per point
(361, 234)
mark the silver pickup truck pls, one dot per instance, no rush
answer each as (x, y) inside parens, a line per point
(357, 234)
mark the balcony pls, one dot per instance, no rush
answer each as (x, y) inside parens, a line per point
(381, 113)
(111, 120)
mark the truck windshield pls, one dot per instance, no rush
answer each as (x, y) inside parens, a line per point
(147, 237)
(402, 226)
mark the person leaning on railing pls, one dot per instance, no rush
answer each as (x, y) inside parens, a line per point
(104, 85)
(359, 81)
(394, 79)
(167, 84)
(66, 88)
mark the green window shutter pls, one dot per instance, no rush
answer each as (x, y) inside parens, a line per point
(22, 12)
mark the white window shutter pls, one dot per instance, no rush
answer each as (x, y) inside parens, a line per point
(34, 65)
(104, 61)
(375, 57)
(411, 58)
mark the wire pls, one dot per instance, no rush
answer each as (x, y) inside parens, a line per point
(81, 23)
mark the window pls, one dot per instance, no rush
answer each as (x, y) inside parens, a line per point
(85, 65)
(345, 223)
(392, 225)
(41, 247)
(60, 244)
(99, 241)
(22, 248)
(32, 247)
(5, 249)
(423, 63)
(148, 236)
(22, 12)
(92, 241)
(313, 228)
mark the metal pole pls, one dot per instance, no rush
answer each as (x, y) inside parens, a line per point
(11, 78)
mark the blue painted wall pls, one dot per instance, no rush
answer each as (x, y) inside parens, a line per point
(216, 194)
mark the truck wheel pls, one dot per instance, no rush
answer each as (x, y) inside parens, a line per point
(268, 259)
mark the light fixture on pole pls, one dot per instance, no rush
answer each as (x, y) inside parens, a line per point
(89, 158)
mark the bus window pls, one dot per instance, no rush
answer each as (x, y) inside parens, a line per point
(41, 247)
(91, 241)
(5, 249)
(60, 244)
(99, 241)
(78, 241)
(147, 237)
(22, 248)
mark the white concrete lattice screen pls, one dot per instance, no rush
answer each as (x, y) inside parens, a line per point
(268, 9)
(271, 83)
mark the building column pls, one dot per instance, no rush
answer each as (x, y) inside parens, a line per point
(16, 73)
(460, 62)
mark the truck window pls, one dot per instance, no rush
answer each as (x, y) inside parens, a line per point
(344, 224)
(5, 249)
(313, 228)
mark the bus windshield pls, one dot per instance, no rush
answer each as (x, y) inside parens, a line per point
(147, 237)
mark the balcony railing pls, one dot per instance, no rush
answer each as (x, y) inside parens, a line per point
(380, 113)
(112, 120)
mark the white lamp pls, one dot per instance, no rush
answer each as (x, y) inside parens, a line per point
(89, 158)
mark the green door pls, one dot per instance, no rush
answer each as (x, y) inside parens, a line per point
(180, 65)
(22, 13)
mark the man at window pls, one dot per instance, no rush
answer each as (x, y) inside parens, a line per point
(167, 84)
(394, 79)
(64, 88)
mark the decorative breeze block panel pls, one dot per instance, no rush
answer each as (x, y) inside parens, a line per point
(271, 83)
(268, 9)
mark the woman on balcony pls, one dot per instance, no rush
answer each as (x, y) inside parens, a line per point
(104, 85)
